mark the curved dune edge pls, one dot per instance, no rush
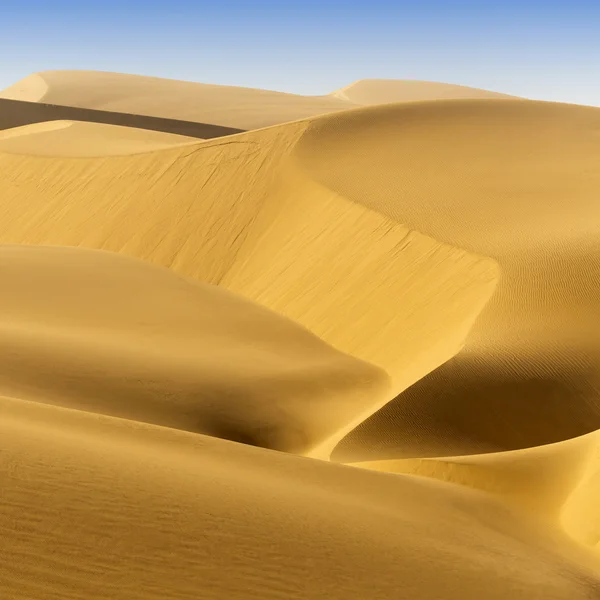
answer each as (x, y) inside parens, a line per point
(513, 180)
(83, 139)
(95, 506)
(558, 483)
(101, 332)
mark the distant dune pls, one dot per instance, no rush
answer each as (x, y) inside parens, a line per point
(400, 276)
(243, 108)
(387, 91)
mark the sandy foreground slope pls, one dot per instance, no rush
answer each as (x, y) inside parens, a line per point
(97, 507)
(444, 252)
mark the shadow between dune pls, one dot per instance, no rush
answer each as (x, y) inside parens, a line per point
(466, 407)
(16, 113)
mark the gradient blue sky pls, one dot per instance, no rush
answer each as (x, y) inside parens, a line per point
(548, 50)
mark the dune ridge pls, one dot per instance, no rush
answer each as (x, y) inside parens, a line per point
(243, 108)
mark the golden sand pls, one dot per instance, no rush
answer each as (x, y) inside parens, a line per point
(402, 276)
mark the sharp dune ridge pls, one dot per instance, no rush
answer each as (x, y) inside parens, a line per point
(194, 334)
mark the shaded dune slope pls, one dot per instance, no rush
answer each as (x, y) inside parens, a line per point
(17, 113)
(135, 506)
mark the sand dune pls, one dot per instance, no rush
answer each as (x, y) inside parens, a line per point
(100, 332)
(278, 287)
(368, 92)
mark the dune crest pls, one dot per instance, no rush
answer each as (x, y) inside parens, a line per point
(245, 108)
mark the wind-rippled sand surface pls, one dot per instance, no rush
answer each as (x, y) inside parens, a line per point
(195, 335)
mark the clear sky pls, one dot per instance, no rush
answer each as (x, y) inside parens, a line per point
(546, 50)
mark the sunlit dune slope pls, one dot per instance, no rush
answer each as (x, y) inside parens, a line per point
(513, 180)
(241, 213)
(75, 138)
(97, 507)
(104, 333)
(387, 91)
(245, 108)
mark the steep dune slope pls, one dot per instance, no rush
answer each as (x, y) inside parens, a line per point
(239, 213)
(94, 506)
(513, 180)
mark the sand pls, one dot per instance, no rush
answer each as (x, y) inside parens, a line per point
(400, 276)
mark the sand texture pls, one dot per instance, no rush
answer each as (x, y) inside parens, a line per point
(350, 352)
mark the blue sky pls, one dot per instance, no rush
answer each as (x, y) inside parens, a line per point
(547, 50)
